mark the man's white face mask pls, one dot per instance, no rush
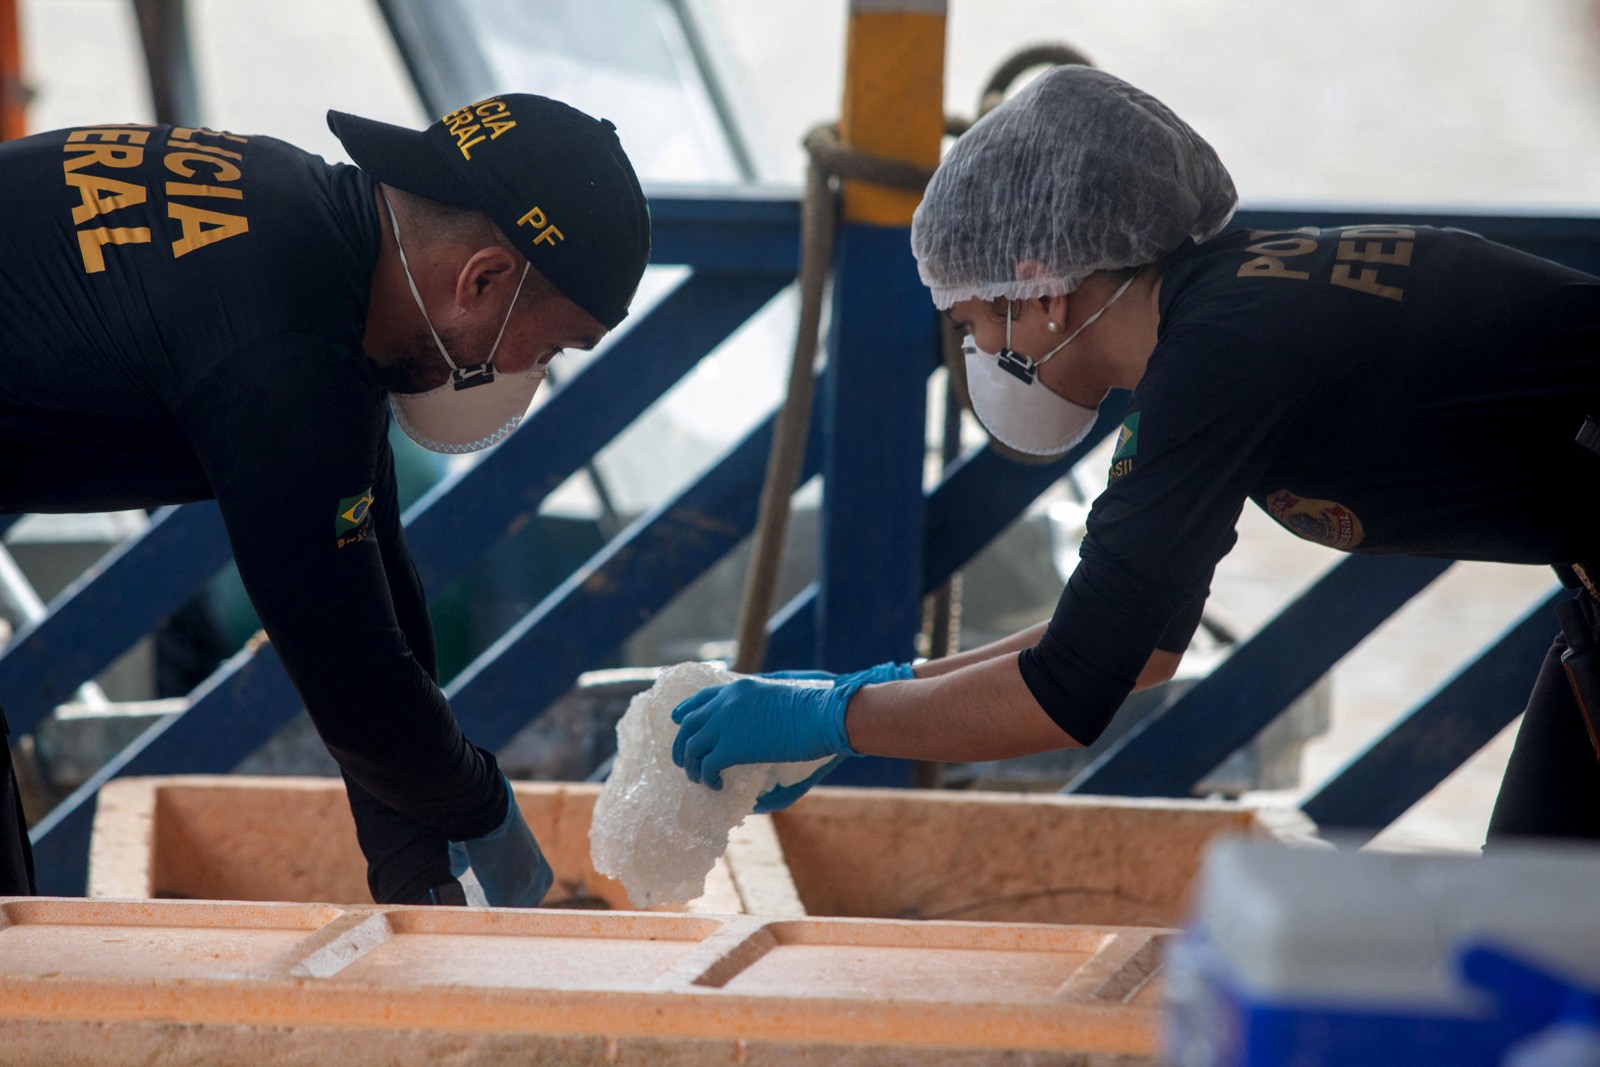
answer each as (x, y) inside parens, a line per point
(1017, 409)
(476, 407)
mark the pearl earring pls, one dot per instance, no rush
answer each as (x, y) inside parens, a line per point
(1053, 326)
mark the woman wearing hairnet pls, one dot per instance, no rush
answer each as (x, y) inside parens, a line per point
(1373, 388)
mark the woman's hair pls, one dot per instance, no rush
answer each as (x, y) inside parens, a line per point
(996, 308)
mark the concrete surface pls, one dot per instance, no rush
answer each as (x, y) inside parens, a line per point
(160, 983)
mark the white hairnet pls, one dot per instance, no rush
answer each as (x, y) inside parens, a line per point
(1078, 172)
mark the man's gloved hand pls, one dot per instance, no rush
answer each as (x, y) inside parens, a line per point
(507, 861)
(751, 721)
(780, 797)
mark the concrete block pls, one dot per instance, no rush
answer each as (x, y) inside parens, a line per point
(168, 982)
(895, 854)
(932, 854)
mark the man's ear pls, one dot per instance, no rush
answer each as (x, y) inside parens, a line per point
(486, 268)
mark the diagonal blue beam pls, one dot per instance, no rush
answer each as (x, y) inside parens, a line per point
(219, 729)
(6, 522)
(1422, 747)
(756, 228)
(976, 501)
(616, 592)
(112, 605)
(726, 228)
(1167, 753)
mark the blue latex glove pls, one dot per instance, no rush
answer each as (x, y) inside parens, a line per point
(780, 797)
(751, 721)
(508, 863)
(883, 672)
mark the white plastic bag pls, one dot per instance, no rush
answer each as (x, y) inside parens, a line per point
(653, 829)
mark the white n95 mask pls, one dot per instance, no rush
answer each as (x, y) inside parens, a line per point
(1017, 409)
(477, 406)
(1019, 412)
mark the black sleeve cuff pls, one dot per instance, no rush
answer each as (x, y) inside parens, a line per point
(1180, 631)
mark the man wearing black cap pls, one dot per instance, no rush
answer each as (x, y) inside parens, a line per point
(188, 313)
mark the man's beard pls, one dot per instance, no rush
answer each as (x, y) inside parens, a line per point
(418, 366)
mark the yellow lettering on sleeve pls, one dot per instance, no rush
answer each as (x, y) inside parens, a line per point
(1269, 267)
(1373, 251)
(186, 133)
(91, 244)
(184, 163)
(1364, 281)
(191, 189)
(100, 195)
(130, 134)
(1272, 248)
(1286, 247)
(110, 155)
(202, 227)
(196, 146)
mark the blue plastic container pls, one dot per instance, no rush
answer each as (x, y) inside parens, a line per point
(1309, 958)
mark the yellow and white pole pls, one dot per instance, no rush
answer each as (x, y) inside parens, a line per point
(883, 345)
(893, 105)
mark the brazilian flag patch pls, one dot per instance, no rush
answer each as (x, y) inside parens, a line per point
(1127, 448)
(1127, 438)
(353, 518)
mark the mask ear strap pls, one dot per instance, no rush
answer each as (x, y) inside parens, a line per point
(405, 265)
(1090, 321)
(509, 309)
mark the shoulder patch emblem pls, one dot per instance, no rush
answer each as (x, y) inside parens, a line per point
(1127, 447)
(353, 519)
(1323, 521)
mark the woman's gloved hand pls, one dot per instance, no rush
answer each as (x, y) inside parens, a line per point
(780, 797)
(506, 860)
(752, 721)
(883, 672)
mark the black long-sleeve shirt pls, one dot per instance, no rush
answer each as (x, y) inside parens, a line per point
(181, 317)
(1374, 389)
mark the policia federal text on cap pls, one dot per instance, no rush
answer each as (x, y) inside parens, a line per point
(188, 313)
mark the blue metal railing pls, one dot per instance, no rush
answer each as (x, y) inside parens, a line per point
(741, 251)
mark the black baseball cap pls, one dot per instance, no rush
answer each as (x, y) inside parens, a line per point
(555, 180)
